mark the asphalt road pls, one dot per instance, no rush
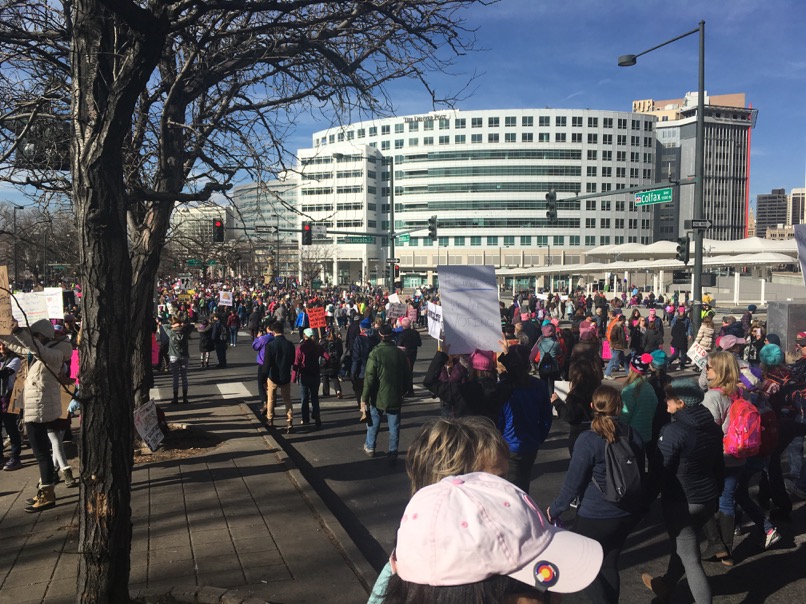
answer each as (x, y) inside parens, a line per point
(368, 497)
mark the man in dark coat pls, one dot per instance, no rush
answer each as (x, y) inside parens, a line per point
(278, 359)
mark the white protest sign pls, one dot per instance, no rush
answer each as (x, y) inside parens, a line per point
(396, 310)
(698, 355)
(469, 296)
(541, 296)
(147, 426)
(54, 302)
(434, 321)
(394, 299)
(32, 304)
(225, 299)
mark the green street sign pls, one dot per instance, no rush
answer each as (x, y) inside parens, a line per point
(211, 263)
(645, 198)
(316, 283)
(362, 239)
(404, 238)
(193, 262)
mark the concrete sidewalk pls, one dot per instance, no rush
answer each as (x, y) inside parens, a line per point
(236, 524)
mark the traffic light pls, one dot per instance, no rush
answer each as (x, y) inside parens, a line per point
(682, 249)
(396, 273)
(218, 230)
(432, 228)
(551, 206)
(307, 233)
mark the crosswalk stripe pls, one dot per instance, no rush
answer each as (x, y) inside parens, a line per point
(234, 390)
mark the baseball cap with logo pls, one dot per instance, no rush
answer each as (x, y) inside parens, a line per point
(466, 529)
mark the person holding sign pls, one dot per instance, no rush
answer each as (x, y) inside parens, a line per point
(9, 366)
(41, 398)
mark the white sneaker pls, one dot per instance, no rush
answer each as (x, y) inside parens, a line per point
(609, 377)
(772, 537)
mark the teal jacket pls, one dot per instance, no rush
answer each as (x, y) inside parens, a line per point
(387, 377)
(639, 408)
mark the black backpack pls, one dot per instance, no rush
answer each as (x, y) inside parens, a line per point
(623, 472)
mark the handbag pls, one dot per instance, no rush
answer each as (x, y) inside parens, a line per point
(606, 352)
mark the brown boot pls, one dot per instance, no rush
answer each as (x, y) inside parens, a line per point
(45, 499)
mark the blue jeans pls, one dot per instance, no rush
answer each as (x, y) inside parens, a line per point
(392, 419)
(617, 358)
(737, 479)
(309, 393)
(233, 336)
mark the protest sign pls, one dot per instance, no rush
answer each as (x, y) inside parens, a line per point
(698, 355)
(29, 307)
(434, 321)
(147, 426)
(395, 311)
(316, 317)
(411, 313)
(225, 299)
(394, 299)
(469, 296)
(54, 302)
(5, 303)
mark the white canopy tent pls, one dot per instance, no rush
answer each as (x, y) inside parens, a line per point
(711, 247)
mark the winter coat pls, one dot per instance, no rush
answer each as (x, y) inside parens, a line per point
(576, 410)
(178, 341)
(278, 357)
(639, 407)
(653, 338)
(307, 366)
(690, 448)
(525, 418)
(705, 337)
(205, 337)
(386, 378)
(718, 403)
(681, 330)
(409, 339)
(362, 346)
(41, 396)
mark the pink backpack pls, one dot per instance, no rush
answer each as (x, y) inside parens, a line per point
(743, 438)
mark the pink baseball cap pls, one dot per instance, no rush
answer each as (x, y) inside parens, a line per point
(465, 529)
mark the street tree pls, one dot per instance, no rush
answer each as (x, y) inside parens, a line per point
(128, 107)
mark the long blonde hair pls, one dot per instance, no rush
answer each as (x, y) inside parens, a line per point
(606, 404)
(726, 371)
(450, 447)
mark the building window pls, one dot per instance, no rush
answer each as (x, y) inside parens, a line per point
(492, 137)
(458, 241)
(618, 239)
(559, 240)
(527, 121)
(622, 123)
(576, 121)
(475, 241)
(647, 126)
(621, 156)
(442, 241)
(591, 171)
(633, 172)
(607, 122)
(399, 128)
(385, 130)
(413, 241)
(607, 139)
(527, 137)
(373, 131)
(636, 125)
(593, 122)
(492, 240)
(593, 138)
(361, 133)
(398, 143)
(607, 156)
(543, 137)
(428, 140)
(576, 137)
(648, 158)
(428, 125)
(605, 239)
(510, 137)
(446, 140)
(476, 122)
(526, 240)
(510, 121)
(414, 126)
(647, 142)
(384, 145)
(619, 206)
(606, 186)
(590, 187)
(509, 240)
(542, 240)
(459, 139)
(607, 172)
(635, 140)
(590, 240)
(444, 124)
(605, 205)
(633, 223)
(592, 154)
(621, 172)
(619, 224)
(460, 123)
(573, 240)
(560, 121)
(475, 138)
(590, 205)
(413, 142)
(590, 223)
(559, 137)
(544, 121)
(493, 122)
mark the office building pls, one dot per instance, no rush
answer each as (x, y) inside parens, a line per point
(771, 211)
(796, 207)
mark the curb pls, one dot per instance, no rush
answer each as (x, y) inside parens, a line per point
(194, 594)
(343, 543)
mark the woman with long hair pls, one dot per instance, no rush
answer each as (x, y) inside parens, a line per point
(576, 409)
(705, 335)
(724, 387)
(640, 400)
(690, 450)
(596, 518)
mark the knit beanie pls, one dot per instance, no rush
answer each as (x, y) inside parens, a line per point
(548, 330)
(365, 323)
(482, 360)
(640, 364)
(771, 355)
(688, 391)
(658, 359)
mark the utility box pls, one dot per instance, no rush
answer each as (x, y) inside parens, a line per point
(786, 319)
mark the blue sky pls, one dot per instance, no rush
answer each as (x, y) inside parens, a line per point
(545, 53)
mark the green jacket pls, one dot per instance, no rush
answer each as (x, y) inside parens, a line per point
(387, 377)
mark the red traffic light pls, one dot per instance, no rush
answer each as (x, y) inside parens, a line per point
(218, 223)
(306, 227)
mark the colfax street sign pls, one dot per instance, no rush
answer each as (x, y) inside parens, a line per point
(403, 238)
(645, 198)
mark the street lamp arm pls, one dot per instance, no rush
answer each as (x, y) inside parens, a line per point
(629, 60)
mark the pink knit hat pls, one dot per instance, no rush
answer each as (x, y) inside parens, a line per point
(466, 529)
(482, 360)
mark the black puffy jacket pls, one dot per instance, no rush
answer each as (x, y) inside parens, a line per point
(691, 451)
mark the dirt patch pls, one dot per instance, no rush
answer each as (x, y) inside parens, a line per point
(181, 441)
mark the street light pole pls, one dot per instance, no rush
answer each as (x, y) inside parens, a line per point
(698, 212)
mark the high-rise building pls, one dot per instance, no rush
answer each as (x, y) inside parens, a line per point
(726, 197)
(796, 207)
(771, 210)
(485, 175)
